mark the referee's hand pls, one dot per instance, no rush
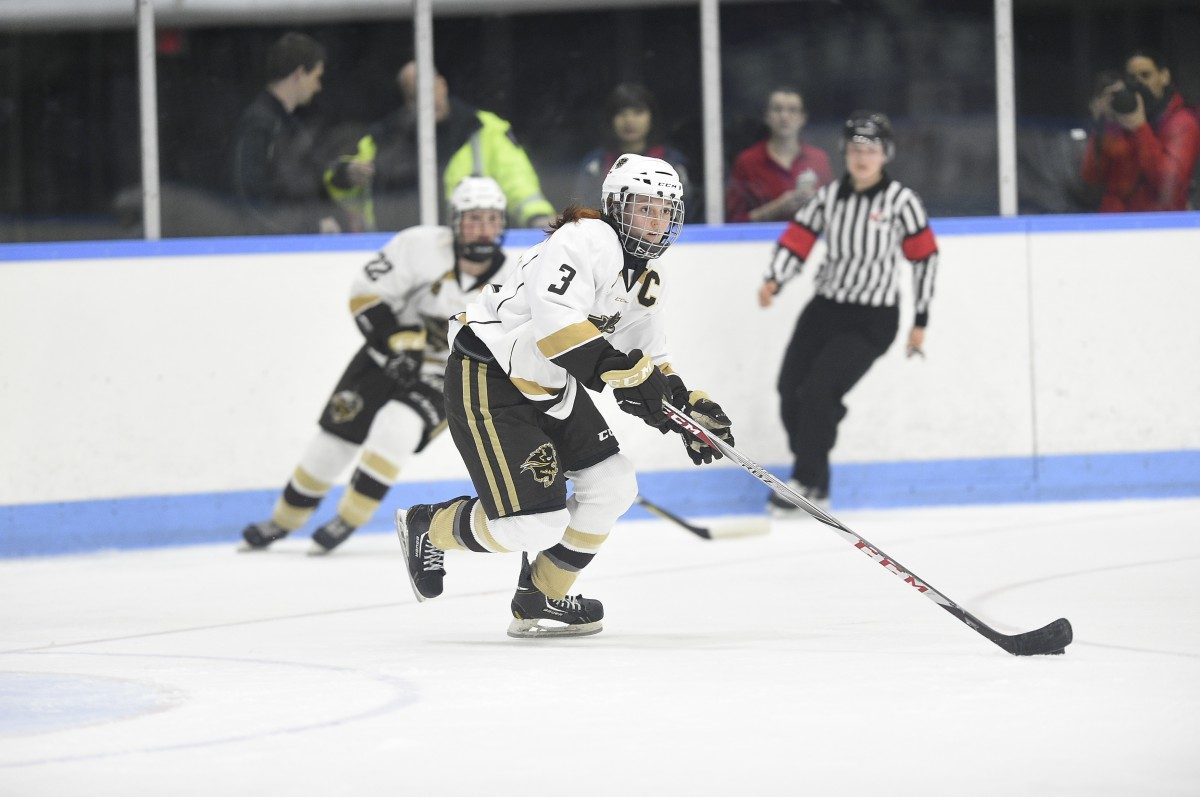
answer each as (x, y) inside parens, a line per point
(767, 293)
(916, 340)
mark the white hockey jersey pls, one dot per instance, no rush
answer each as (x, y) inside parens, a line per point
(413, 275)
(565, 293)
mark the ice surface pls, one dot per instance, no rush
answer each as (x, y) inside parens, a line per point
(784, 664)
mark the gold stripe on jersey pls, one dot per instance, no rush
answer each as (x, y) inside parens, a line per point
(567, 338)
(362, 303)
(407, 340)
(473, 425)
(495, 438)
(379, 467)
(356, 508)
(667, 369)
(530, 388)
(308, 484)
(290, 517)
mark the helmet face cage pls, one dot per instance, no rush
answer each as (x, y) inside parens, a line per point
(477, 193)
(634, 180)
(869, 127)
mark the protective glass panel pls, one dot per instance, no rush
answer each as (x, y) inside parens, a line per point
(579, 89)
(929, 65)
(258, 125)
(68, 135)
(1076, 152)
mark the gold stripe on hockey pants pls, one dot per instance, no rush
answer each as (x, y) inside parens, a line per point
(480, 449)
(495, 438)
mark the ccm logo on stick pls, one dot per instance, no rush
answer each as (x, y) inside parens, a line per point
(909, 578)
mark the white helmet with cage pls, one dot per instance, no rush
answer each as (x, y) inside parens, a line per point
(476, 193)
(655, 183)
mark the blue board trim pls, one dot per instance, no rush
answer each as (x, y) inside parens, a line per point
(161, 521)
(520, 239)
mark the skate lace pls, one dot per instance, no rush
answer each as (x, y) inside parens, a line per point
(568, 602)
(434, 558)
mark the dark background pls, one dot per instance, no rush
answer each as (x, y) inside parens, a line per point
(70, 153)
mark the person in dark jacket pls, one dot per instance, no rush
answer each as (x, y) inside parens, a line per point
(275, 174)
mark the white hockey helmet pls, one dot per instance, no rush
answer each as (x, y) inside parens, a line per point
(633, 176)
(476, 193)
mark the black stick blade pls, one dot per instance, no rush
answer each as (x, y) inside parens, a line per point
(1046, 641)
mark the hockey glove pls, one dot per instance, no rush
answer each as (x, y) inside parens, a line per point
(406, 352)
(638, 386)
(708, 413)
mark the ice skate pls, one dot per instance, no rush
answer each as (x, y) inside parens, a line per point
(781, 509)
(536, 615)
(258, 536)
(426, 562)
(330, 536)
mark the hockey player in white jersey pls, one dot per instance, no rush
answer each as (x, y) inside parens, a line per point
(389, 404)
(581, 310)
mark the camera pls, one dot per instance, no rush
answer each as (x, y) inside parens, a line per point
(1124, 99)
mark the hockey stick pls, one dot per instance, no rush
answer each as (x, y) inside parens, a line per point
(718, 531)
(1049, 639)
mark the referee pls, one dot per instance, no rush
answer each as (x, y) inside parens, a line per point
(868, 220)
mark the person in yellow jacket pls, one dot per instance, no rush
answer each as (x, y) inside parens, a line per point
(377, 185)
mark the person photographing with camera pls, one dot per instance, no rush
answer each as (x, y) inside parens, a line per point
(1144, 149)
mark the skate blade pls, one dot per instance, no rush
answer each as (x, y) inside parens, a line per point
(531, 629)
(246, 547)
(402, 533)
(317, 549)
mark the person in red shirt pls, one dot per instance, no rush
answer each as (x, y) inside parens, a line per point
(773, 178)
(1144, 158)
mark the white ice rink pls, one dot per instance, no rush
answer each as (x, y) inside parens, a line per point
(783, 664)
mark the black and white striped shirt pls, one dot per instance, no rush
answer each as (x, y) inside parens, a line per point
(865, 233)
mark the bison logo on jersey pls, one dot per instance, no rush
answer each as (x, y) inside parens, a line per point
(345, 406)
(605, 323)
(542, 464)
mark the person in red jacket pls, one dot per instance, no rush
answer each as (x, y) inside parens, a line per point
(772, 179)
(1144, 157)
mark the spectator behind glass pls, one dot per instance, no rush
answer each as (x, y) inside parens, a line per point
(771, 180)
(275, 174)
(1144, 149)
(630, 113)
(377, 185)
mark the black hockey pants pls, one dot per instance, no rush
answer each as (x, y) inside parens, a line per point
(832, 348)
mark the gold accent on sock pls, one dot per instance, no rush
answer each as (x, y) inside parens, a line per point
(479, 527)
(290, 517)
(441, 529)
(308, 484)
(356, 508)
(553, 581)
(381, 468)
(582, 541)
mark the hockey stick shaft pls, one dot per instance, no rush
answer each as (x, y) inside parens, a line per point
(1049, 639)
(655, 509)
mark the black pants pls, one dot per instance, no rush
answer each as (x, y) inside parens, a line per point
(832, 348)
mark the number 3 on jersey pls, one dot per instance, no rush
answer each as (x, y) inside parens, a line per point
(568, 275)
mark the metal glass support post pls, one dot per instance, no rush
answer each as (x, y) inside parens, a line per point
(1006, 110)
(710, 81)
(148, 112)
(426, 121)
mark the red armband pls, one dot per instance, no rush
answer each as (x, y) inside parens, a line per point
(919, 246)
(798, 240)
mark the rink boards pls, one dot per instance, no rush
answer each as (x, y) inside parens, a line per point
(159, 393)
